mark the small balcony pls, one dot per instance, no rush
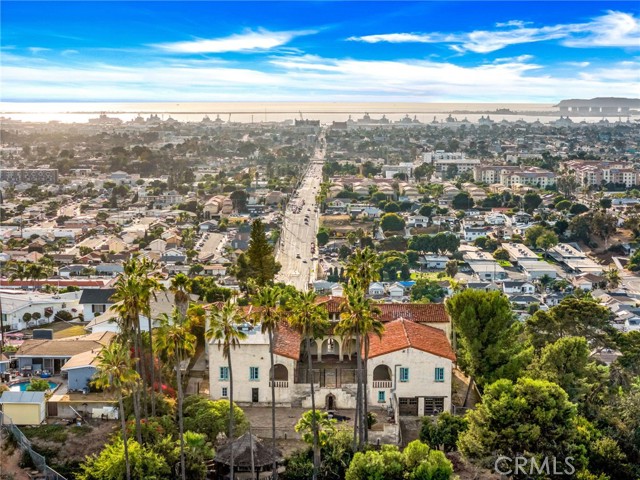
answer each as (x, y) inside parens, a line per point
(382, 384)
(279, 384)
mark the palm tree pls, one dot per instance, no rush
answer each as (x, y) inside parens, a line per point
(37, 271)
(180, 287)
(544, 282)
(224, 329)
(613, 277)
(150, 287)
(310, 320)
(370, 325)
(18, 271)
(115, 372)
(268, 300)
(129, 299)
(177, 342)
(357, 321)
(363, 267)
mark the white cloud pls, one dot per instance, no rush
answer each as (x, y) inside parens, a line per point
(308, 77)
(37, 50)
(398, 38)
(614, 29)
(244, 42)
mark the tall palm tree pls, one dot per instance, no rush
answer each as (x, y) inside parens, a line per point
(310, 320)
(129, 304)
(177, 342)
(370, 325)
(36, 272)
(363, 267)
(268, 300)
(18, 271)
(224, 329)
(150, 287)
(357, 321)
(115, 372)
(180, 287)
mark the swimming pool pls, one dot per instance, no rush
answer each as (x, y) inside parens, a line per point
(22, 386)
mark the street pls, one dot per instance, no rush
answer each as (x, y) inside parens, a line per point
(299, 229)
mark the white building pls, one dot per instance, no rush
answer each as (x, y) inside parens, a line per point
(22, 309)
(442, 160)
(409, 369)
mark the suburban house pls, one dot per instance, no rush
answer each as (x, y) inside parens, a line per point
(511, 288)
(52, 355)
(396, 291)
(376, 290)
(438, 262)
(95, 302)
(163, 302)
(588, 281)
(21, 309)
(80, 368)
(409, 368)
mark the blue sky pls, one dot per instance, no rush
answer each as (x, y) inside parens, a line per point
(319, 51)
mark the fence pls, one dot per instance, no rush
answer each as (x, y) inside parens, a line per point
(25, 445)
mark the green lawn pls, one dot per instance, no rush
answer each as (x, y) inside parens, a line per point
(430, 276)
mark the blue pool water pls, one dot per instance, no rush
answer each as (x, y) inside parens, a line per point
(22, 386)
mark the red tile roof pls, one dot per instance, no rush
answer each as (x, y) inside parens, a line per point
(400, 334)
(82, 283)
(416, 312)
(287, 342)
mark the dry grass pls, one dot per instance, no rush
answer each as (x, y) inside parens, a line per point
(69, 331)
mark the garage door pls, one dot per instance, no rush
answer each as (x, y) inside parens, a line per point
(433, 405)
(408, 406)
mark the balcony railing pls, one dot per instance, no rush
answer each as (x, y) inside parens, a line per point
(382, 384)
(327, 377)
(280, 384)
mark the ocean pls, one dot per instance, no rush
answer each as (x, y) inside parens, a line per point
(247, 112)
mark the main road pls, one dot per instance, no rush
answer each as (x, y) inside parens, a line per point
(299, 228)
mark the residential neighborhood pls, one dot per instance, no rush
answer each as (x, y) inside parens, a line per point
(342, 269)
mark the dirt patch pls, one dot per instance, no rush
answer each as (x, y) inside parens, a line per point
(80, 442)
(469, 471)
(10, 460)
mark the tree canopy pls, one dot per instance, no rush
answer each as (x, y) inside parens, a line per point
(486, 335)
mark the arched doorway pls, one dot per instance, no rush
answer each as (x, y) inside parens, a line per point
(349, 349)
(330, 349)
(330, 402)
(382, 377)
(280, 376)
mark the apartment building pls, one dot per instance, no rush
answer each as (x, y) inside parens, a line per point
(40, 176)
(509, 175)
(442, 160)
(595, 173)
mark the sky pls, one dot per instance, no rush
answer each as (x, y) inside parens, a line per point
(420, 51)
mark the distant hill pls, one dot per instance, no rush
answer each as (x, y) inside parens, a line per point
(601, 102)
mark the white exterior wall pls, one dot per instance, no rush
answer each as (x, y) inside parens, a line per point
(421, 382)
(242, 358)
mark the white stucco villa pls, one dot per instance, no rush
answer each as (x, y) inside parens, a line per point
(409, 369)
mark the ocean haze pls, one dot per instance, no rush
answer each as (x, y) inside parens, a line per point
(326, 112)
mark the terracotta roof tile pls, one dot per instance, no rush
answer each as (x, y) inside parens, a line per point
(287, 342)
(416, 312)
(402, 333)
